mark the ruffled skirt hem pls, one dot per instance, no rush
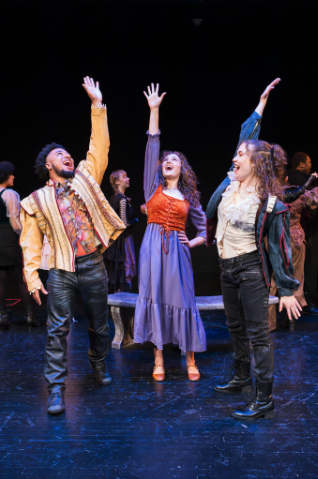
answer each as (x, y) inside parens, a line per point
(162, 324)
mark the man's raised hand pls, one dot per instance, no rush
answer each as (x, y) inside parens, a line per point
(93, 91)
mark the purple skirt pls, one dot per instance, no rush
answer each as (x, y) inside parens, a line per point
(166, 311)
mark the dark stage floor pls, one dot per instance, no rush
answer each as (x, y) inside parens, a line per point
(136, 428)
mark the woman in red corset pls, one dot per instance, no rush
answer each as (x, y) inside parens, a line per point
(166, 311)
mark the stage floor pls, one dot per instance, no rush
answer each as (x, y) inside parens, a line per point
(137, 428)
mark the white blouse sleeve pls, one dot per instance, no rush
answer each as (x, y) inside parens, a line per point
(12, 200)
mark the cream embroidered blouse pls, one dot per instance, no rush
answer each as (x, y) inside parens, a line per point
(235, 234)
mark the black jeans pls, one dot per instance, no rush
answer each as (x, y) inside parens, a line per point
(90, 280)
(245, 297)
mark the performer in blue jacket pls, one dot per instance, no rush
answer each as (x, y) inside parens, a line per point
(243, 211)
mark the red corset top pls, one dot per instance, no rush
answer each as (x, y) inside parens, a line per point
(170, 213)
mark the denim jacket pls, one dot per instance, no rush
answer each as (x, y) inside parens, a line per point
(272, 223)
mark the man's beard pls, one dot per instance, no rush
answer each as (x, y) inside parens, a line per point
(63, 173)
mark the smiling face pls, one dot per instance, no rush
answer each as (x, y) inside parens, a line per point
(60, 162)
(171, 167)
(243, 166)
(123, 181)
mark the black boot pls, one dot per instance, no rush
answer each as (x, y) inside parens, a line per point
(4, 319)
(287, 325)
(56, 404)
(30, 317)
(101, 374)
(262, 405)
(241, 380)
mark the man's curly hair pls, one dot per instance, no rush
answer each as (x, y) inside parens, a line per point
(39, 165)
(6, 170)
(187, 182)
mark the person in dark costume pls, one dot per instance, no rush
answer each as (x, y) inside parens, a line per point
(299, 175)
(10, 250)
(242, 212)
(120, 259)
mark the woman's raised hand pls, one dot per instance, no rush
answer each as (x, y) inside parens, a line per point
(153, 98)
(265, 95)
(269, 88)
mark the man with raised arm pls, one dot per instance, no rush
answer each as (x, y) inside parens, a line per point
(73, 213)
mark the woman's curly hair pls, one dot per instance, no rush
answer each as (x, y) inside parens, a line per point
(187, 181)
(39, 165)
(270, 167)
(6, 170)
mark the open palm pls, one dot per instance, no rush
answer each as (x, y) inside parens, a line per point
(92, 90)
(153, 98)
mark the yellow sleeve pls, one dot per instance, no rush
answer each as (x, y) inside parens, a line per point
(97, 155)
(31, 241)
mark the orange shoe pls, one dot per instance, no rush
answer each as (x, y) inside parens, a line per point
(193, 376)
(160, 376)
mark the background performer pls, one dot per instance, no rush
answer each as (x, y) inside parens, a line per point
(308, 200)
(10, 250)
(120, 259)
(73, 213)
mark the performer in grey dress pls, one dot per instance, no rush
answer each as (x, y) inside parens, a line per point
(166, 311)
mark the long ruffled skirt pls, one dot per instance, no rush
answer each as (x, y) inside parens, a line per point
(166, 311)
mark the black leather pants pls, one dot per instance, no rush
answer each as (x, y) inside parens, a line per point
(245, 297)
(90, 280)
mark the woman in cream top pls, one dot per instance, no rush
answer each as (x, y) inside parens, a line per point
(235, 234)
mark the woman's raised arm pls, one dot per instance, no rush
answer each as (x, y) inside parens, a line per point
(153, 144)
(264, 96)
(154, 101)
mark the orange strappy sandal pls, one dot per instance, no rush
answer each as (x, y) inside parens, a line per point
(158, 377)
(193, 376)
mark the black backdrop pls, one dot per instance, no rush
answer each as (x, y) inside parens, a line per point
(213, 75)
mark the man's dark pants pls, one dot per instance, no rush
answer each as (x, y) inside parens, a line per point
(245, 297)
(90, 280)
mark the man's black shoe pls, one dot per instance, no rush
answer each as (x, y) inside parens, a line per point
(262, 405)
(310, 310)
(4, 319)
(241, 380)
(101, 374)
(31, 321)
(56, 404)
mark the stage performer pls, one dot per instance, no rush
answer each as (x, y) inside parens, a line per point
(242, 211)
(166, 311)
(120, 259)
(10, 250)
(309, 201)
(73, 213)
(299, 174)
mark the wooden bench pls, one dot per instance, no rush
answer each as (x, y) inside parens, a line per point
(122, 306)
